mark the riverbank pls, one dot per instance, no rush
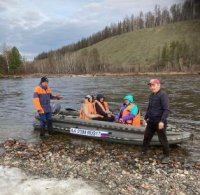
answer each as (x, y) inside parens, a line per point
(97, 74)
(116, 170)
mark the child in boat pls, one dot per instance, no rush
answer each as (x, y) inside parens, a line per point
(129, 112)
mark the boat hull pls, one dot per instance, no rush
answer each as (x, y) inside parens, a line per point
(112, 132)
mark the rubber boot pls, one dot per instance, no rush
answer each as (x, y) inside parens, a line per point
(50, 127)
(42, 132)
(165, 160)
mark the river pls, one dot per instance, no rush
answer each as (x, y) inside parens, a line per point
(17, 112)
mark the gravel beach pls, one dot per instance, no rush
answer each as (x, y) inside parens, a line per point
(112, 168)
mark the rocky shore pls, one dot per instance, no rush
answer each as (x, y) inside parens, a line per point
(114, 169)
(38, 75)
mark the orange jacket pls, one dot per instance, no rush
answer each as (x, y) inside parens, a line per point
(41, 99)
(136, 120)
(89, 108)
(93, 109)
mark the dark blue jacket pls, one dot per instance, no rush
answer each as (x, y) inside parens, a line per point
(158, 108)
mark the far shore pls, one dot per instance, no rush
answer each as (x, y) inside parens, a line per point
(36, 75)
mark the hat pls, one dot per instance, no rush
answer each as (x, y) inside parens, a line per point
(44, 79)
(88, 96)
(154, 81)
(129, 98)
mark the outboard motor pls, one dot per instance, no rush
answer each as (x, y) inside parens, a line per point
(55, 108)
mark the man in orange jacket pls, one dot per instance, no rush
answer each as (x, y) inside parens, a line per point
(41, 100)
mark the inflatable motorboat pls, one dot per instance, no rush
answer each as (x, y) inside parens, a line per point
(68, 122)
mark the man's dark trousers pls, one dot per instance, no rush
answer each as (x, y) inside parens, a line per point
(45, 119)
(151, 128)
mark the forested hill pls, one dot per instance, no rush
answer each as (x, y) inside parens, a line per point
(168, 47)
(159, 40)
(187, 10)
(163, 39)
(173, 47)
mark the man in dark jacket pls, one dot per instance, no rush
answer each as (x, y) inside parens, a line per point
(155, 119)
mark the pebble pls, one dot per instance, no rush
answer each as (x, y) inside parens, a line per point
(110, 167)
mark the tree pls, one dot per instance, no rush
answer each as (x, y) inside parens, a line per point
(164, 55)
(196, 9)
(149, 20)
(126, 25)
(165, 17)
(14, 60)
(187, 10)
(132, 22)
(176, 12)
(119, 28)
(157, 15)
(141, 21)
(3, 67)
(94, 60)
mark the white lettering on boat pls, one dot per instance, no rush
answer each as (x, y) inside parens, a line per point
(91, 133)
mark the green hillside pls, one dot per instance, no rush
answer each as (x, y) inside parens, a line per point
(142, 46)
(172, 47)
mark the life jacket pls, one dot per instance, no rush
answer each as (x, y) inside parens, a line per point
(104, 107)
(136, 120)
(91, 110)
(82, 114)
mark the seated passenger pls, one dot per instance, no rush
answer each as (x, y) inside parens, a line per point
(93, 104)
(129, 112)
(102, 108)
(87, 110)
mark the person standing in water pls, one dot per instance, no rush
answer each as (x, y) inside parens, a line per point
(155, 119)
(41, 101)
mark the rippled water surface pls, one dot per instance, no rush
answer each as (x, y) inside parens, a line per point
(17, 112)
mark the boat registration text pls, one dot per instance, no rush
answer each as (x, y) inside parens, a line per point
(92, 133)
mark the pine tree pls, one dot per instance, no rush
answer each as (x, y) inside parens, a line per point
(15, 60)
(3, 67)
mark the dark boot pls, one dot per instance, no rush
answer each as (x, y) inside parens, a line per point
(165, 160)
(50, 127)
(42, 132)
(143, 155)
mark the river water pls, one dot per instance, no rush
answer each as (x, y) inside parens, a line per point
(17, 112)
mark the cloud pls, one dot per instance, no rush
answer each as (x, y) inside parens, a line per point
(36, 26)
(8, 3)
(50, 35)
(2, 8)
(33, 19)
(94, 7)
(26, 20)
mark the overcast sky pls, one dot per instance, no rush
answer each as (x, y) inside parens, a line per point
(41, 25)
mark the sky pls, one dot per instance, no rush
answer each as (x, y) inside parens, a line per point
(43, 25)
